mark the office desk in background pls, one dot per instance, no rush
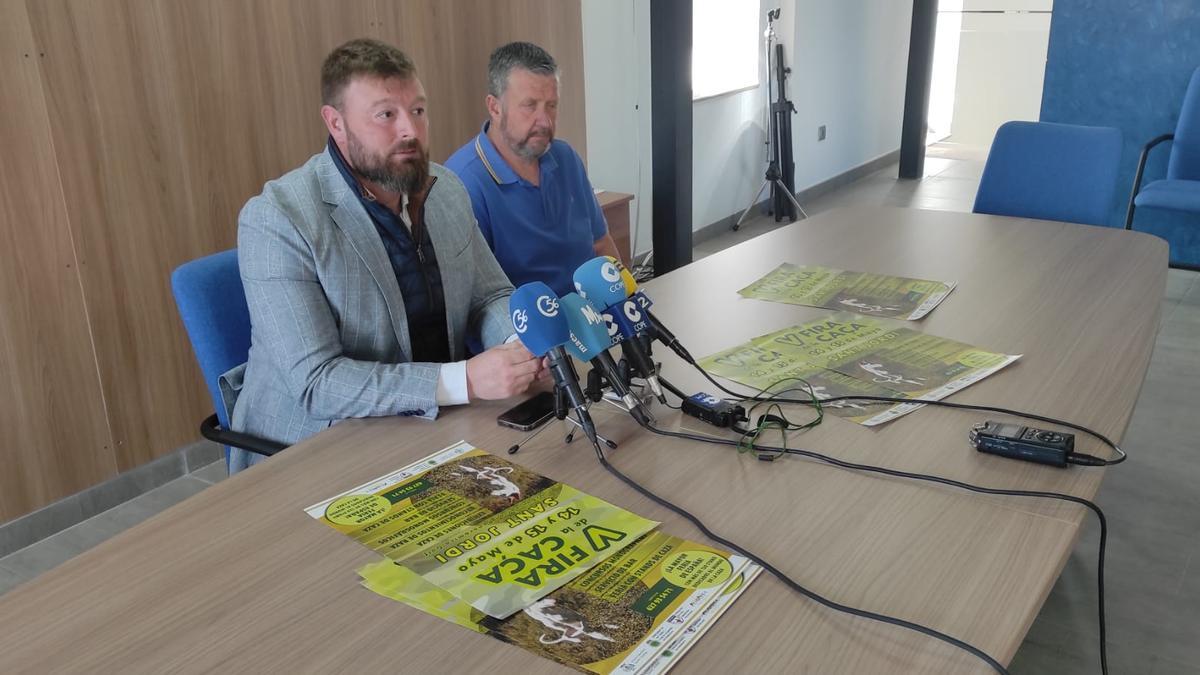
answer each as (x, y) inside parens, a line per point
(240, 579)
(615, 206)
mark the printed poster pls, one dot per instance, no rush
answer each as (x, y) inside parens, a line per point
(870, 294)
(638, 611)
(482, 529)
(845, 354)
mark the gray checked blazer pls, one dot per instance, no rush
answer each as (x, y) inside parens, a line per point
(328, 334)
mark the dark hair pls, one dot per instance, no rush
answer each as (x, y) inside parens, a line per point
(361, 57)
(524, 55)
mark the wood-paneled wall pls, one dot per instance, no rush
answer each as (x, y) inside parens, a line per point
(134, 131)
(56, 436)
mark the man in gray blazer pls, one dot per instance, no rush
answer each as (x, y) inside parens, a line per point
(365, 272)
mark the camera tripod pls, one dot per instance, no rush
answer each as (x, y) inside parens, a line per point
(780, 168)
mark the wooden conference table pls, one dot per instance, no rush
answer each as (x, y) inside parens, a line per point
(239, 579)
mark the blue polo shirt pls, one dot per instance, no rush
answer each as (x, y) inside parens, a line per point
(537, 232)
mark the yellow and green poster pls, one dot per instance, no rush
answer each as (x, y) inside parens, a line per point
(845, 354)
(869, 294)
(480, 529)
(636, 612)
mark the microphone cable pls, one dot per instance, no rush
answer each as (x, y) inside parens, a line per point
(1074, 458)
(779, 574)
(817, 404)
(908, 475)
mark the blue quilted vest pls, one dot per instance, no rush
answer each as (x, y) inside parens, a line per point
(415, 264)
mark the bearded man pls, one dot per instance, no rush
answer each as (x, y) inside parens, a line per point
(530, 191)
(365, 273)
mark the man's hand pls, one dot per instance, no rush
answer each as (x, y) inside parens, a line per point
(544, 380)
(502, 371)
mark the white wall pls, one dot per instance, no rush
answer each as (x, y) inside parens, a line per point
(728, 154)
(848, 59)
(729, 150)
(616, 70)
(849, 65)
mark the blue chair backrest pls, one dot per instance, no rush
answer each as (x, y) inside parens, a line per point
(1184, 163)
(212, 304)
(1052, 172)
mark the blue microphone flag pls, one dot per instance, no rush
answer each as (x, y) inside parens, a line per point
(589, 333)
(599, 282)
(537, 318)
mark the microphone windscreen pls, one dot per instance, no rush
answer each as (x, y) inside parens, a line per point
(599, 282)
(628, 317)
(537, 318)
(626, 276)
(589, 332)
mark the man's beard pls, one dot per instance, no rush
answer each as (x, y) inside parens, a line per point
(534, 145)
(405, 176)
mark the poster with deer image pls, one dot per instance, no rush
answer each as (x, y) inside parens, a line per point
(638, 612)
(484, 530)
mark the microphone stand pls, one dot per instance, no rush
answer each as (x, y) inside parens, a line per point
(595, 384)
(561, 412)
(512, 450)
(616, 404)
(577, 426)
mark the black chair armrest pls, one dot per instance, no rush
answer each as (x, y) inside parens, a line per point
(1156, 140)
(211, 429)
(1137, 177)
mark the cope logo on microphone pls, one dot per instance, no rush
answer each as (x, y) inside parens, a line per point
(547, 305)
(520, 320)
(579, 289)
(632, 312)
(610, 273)
(611, 323)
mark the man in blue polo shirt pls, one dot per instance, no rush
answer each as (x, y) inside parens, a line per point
(530, 192)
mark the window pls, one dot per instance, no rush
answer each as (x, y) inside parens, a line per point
(726, 42)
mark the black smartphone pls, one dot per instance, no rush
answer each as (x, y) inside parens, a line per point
(530, 414)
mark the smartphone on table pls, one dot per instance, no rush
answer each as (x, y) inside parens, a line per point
(529, 414)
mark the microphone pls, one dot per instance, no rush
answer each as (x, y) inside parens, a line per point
(589, 342)
(660, 330)
(636, 309)
(542, 328)
(601, 282)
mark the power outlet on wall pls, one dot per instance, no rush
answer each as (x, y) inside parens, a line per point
(821, 133)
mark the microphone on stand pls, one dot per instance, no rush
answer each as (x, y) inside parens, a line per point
(589, 341)
(601, 283)
(540, 326)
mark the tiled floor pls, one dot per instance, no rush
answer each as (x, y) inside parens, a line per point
(32, 560)
(1152, 501)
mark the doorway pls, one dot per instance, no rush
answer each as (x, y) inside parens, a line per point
(989, 61)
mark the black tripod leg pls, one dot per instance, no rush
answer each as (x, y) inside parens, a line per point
(792, 198)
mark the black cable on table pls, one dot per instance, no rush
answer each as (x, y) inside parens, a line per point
(1087, 460)
(898, 474)
(1083, 459)
(787, 580)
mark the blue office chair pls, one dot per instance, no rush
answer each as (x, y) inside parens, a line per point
(212, 304)
(1180, 190)
(1051, 171)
